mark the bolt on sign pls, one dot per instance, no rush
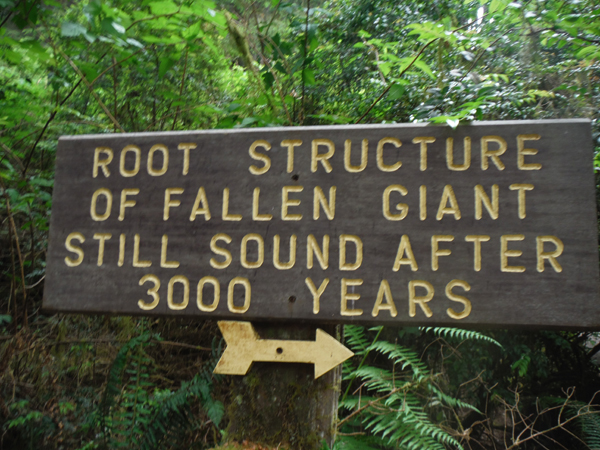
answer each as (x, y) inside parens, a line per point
(492, 223)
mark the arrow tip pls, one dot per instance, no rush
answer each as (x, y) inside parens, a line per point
(331, 353)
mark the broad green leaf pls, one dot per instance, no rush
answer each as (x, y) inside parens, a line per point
(174, 39)
(308, 76)
(385, 68)
(72, 29)
(165, 65)
(163, 7)
(135, 43)
(117, 26)
(424, 67)
(395, 92)
(4, 318)
(192, 31)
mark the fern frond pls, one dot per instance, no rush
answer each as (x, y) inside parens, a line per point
(114, 383)
(357, 443)
(457, 333)
(451, 401)
(402, 357)
(357, 340)
(174, 415)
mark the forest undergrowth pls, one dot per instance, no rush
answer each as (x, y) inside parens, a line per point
(87, 382)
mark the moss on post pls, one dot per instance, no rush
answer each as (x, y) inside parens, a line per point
(282, 404)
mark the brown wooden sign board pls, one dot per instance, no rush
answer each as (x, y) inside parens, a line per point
(489, 224)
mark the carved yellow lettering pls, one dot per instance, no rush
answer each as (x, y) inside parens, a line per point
(74, 249)
(186, 147)
(458, 298)
(170, 203)
(121, 260)
(551, 255)
(163, 254)
(127, 203)
(220, 251)
(423, 140)
(181, 279)
(226, 215)
(316, 293)
(405, 255)
(93, 207)
(346, 296)
(260, 251)
(380, 164)
(102, 164)
(466, 154)
(402, 208)
(276, 249)
(494, 155)
(200, 294)
(200, 206)
(384, 292)
(312, 250)
(165, 160)
(322, 157)
(344, 239)
(320, 201)
(505, 253)
(363, 156)
(448, 197)
(482, 198)
(522, 152)
(247, 295)
(137, 155)
(152, 292)
(476, 240)
(286, 202)
(521, 188)
(290, 144)
(137, 262)
(423, 202)
(421, 300)
(260, 157)
(436, 252)
(101, 238)
(255, 207)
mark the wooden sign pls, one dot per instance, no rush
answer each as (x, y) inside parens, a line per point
(492, 223)
(244, 347)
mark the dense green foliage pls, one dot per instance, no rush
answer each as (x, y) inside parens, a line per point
(100, 66)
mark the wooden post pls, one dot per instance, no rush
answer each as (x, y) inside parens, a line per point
(281, 403)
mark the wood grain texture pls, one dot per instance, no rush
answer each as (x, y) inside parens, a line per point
(561, 204)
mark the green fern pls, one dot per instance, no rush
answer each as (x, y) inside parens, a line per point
(134, 414)
(173, 414)
(458, 333)
(110, 414)
(391, 408)
(588, 423)
(585, 418)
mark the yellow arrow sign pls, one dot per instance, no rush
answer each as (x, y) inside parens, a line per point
(244, 347)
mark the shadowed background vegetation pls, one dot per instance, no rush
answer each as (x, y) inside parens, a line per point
(103, 66)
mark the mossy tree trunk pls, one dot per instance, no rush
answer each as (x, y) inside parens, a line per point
(282, 404)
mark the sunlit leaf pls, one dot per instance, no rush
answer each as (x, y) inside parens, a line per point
(71, 29)
(308, 76)
(165, 65)
(395, 92)
(163, 7)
